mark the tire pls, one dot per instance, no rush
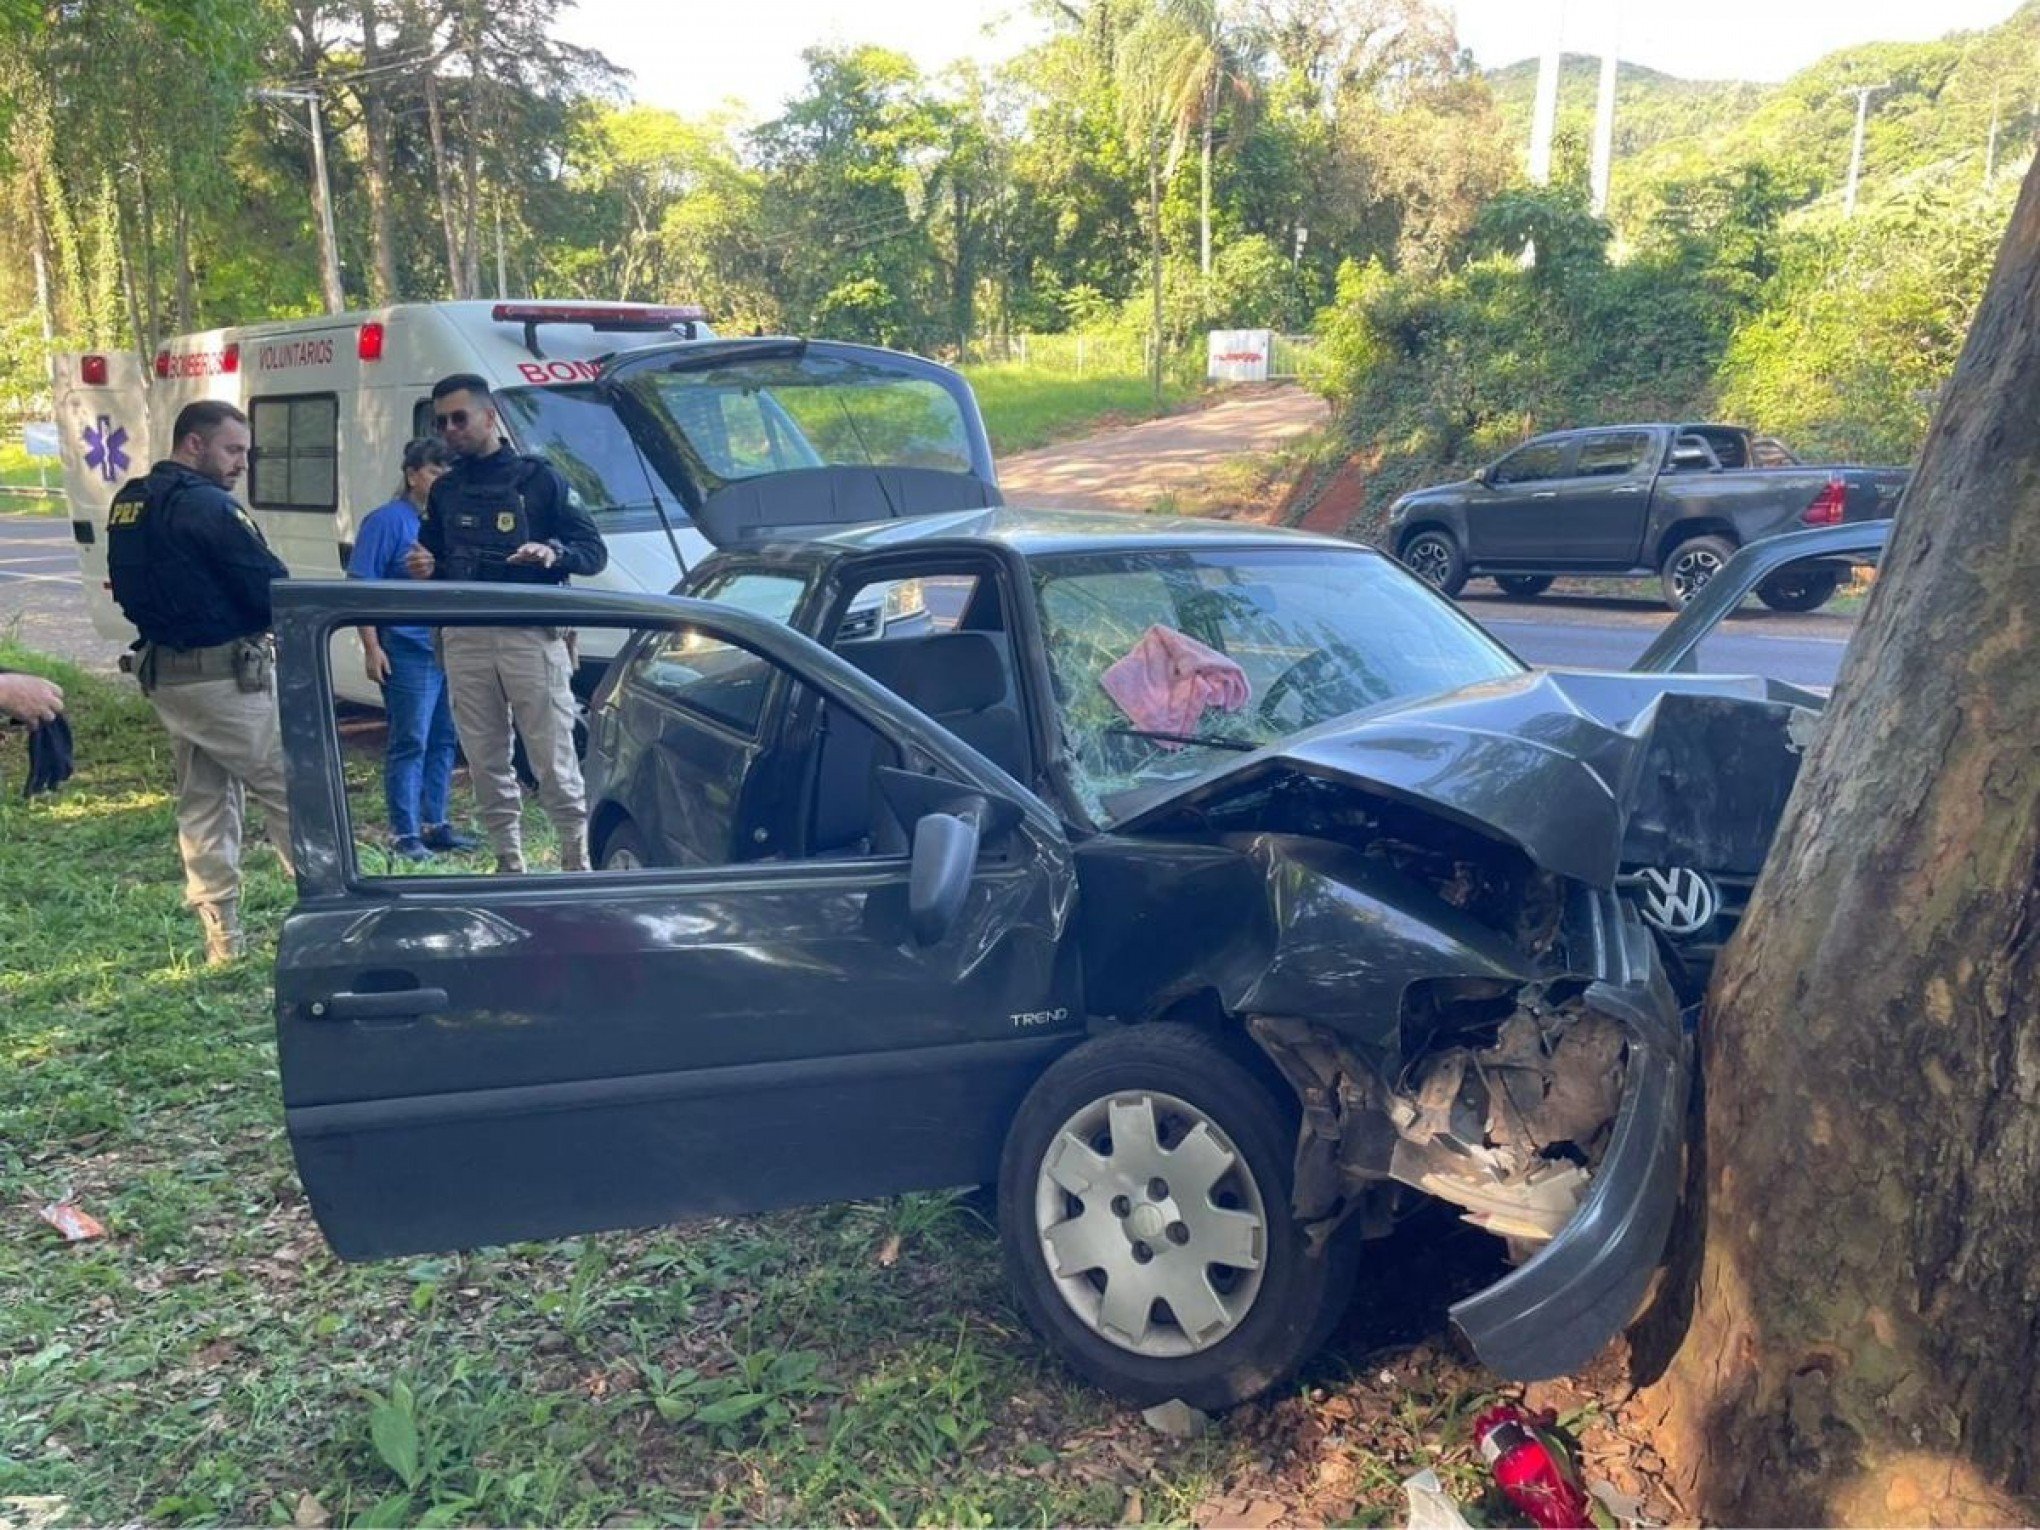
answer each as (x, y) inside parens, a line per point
(1436, 559)
(1790, 591)
(1165, 1084)
(623, 849)
(1690, 564)
(1523, 586)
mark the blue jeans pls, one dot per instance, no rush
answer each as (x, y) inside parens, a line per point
(419, 763)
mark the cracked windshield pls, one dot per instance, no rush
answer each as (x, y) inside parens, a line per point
(1166, 662)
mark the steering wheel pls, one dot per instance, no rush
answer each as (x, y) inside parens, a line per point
(1306, 671)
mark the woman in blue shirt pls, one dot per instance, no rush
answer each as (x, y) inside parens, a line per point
(418, 765)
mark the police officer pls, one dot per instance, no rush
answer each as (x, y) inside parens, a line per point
(500, 517)
(192, 573)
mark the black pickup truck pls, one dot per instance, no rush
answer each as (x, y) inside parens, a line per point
(1672, 502)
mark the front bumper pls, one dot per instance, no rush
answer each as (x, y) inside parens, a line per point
(1555, 1313)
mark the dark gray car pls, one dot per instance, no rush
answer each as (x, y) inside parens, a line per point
(1217, 892)
(1671, 502)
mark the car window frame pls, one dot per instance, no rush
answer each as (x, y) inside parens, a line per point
(1638, 466)
(1563, 445)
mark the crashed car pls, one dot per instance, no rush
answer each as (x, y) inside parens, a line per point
(1220, 893)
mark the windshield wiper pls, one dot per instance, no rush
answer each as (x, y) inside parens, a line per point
(1244, 746)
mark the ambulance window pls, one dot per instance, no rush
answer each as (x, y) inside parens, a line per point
(295, 463)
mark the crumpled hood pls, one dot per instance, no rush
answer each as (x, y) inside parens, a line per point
(1559, 763)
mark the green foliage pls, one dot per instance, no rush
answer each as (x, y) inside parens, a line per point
(1863, 322)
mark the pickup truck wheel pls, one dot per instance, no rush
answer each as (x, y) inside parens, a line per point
(1791, 591)
(1144, 1217)
(1435, 558)
(1523, 586)
(1690, 564)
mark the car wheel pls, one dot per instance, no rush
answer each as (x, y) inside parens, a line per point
(1144, 1215)
(1691, 564)
(1435, 558)
(1523, 586)
(623, 849)
(1791, 591)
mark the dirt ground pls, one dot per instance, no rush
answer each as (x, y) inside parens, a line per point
(1134, 467)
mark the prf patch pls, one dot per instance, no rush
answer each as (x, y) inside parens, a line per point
(506, 522)
(125, 513)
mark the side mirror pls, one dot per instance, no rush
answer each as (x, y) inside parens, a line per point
(938, 876)
(1480, 476)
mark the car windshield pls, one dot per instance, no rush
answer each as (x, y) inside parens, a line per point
(1166, 662)
(775, 414)
(581, 436)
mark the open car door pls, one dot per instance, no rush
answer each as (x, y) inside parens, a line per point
(766, 436)
(476, 1059)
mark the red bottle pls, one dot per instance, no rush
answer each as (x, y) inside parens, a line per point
(1533, 1468)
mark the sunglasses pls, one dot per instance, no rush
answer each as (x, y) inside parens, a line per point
(454, 419)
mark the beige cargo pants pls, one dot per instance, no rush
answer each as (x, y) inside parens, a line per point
(505, 677)
(228, 746)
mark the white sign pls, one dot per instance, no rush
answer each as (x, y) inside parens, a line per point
(1239, 355)
(40, 439)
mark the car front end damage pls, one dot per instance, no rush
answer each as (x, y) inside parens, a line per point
(1428, 927)
(1551, 1111)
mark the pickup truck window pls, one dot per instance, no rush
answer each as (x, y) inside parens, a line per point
(1619, 454)
(1530, 464)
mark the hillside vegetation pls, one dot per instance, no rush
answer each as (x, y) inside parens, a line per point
(1725, 280)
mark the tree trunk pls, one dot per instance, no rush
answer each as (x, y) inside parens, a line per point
(1155, 265)
(181, 257)
(1863, 1347)
(145, 236)
(375, 123)
(455, 268)
(471, 168)
(1204, 190)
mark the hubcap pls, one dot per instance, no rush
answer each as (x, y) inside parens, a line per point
(1692, 571)
(1429, 560)
(1151, 1224)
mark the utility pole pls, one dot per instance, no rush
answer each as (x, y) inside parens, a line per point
(1544, 117)
(1604, 117)
(1863, 94)
(322, 197)
(1990, 149)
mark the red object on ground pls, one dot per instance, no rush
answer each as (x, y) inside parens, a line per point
(74, 1224)
(1532, 1467)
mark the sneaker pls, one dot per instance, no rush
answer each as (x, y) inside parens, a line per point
(410, 848)
(444, 836)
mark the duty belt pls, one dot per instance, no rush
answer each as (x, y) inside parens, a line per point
(160, 664)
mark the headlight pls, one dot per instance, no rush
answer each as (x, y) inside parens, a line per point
(905, 598)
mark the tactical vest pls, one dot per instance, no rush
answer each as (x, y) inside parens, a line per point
(154, 580)
(483, 522)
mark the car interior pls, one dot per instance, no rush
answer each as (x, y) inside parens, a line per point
(961, 675)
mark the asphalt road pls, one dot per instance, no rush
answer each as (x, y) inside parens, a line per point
(41, 606)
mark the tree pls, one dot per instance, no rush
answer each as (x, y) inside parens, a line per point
(1862, 1347)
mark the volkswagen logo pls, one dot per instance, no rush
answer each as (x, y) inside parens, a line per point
(1678, 900)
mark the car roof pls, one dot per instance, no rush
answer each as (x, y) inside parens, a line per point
(1036, 533)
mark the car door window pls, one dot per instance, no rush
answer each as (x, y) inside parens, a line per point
(1619, 454)
(1534, 463)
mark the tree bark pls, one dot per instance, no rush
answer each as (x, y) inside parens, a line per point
(1155, 259)
(455, 266)
(1863, 1347)
(375, 124)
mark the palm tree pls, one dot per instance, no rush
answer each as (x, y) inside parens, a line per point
(1201, 59)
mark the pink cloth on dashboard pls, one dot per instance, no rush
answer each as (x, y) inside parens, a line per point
(1168, 679)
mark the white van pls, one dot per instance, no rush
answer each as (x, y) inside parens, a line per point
(332, 400)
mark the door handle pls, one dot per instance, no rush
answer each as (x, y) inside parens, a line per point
(398, 1005)
(1545, 494)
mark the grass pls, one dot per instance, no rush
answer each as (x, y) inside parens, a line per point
(18, 472)
(210, 1362)
(1026, 407)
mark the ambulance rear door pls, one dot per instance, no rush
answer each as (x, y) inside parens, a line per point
(102, 442)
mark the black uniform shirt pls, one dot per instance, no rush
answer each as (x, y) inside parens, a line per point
(483, 508)
(187, 566)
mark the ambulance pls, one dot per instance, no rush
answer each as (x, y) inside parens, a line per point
(331, 402)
